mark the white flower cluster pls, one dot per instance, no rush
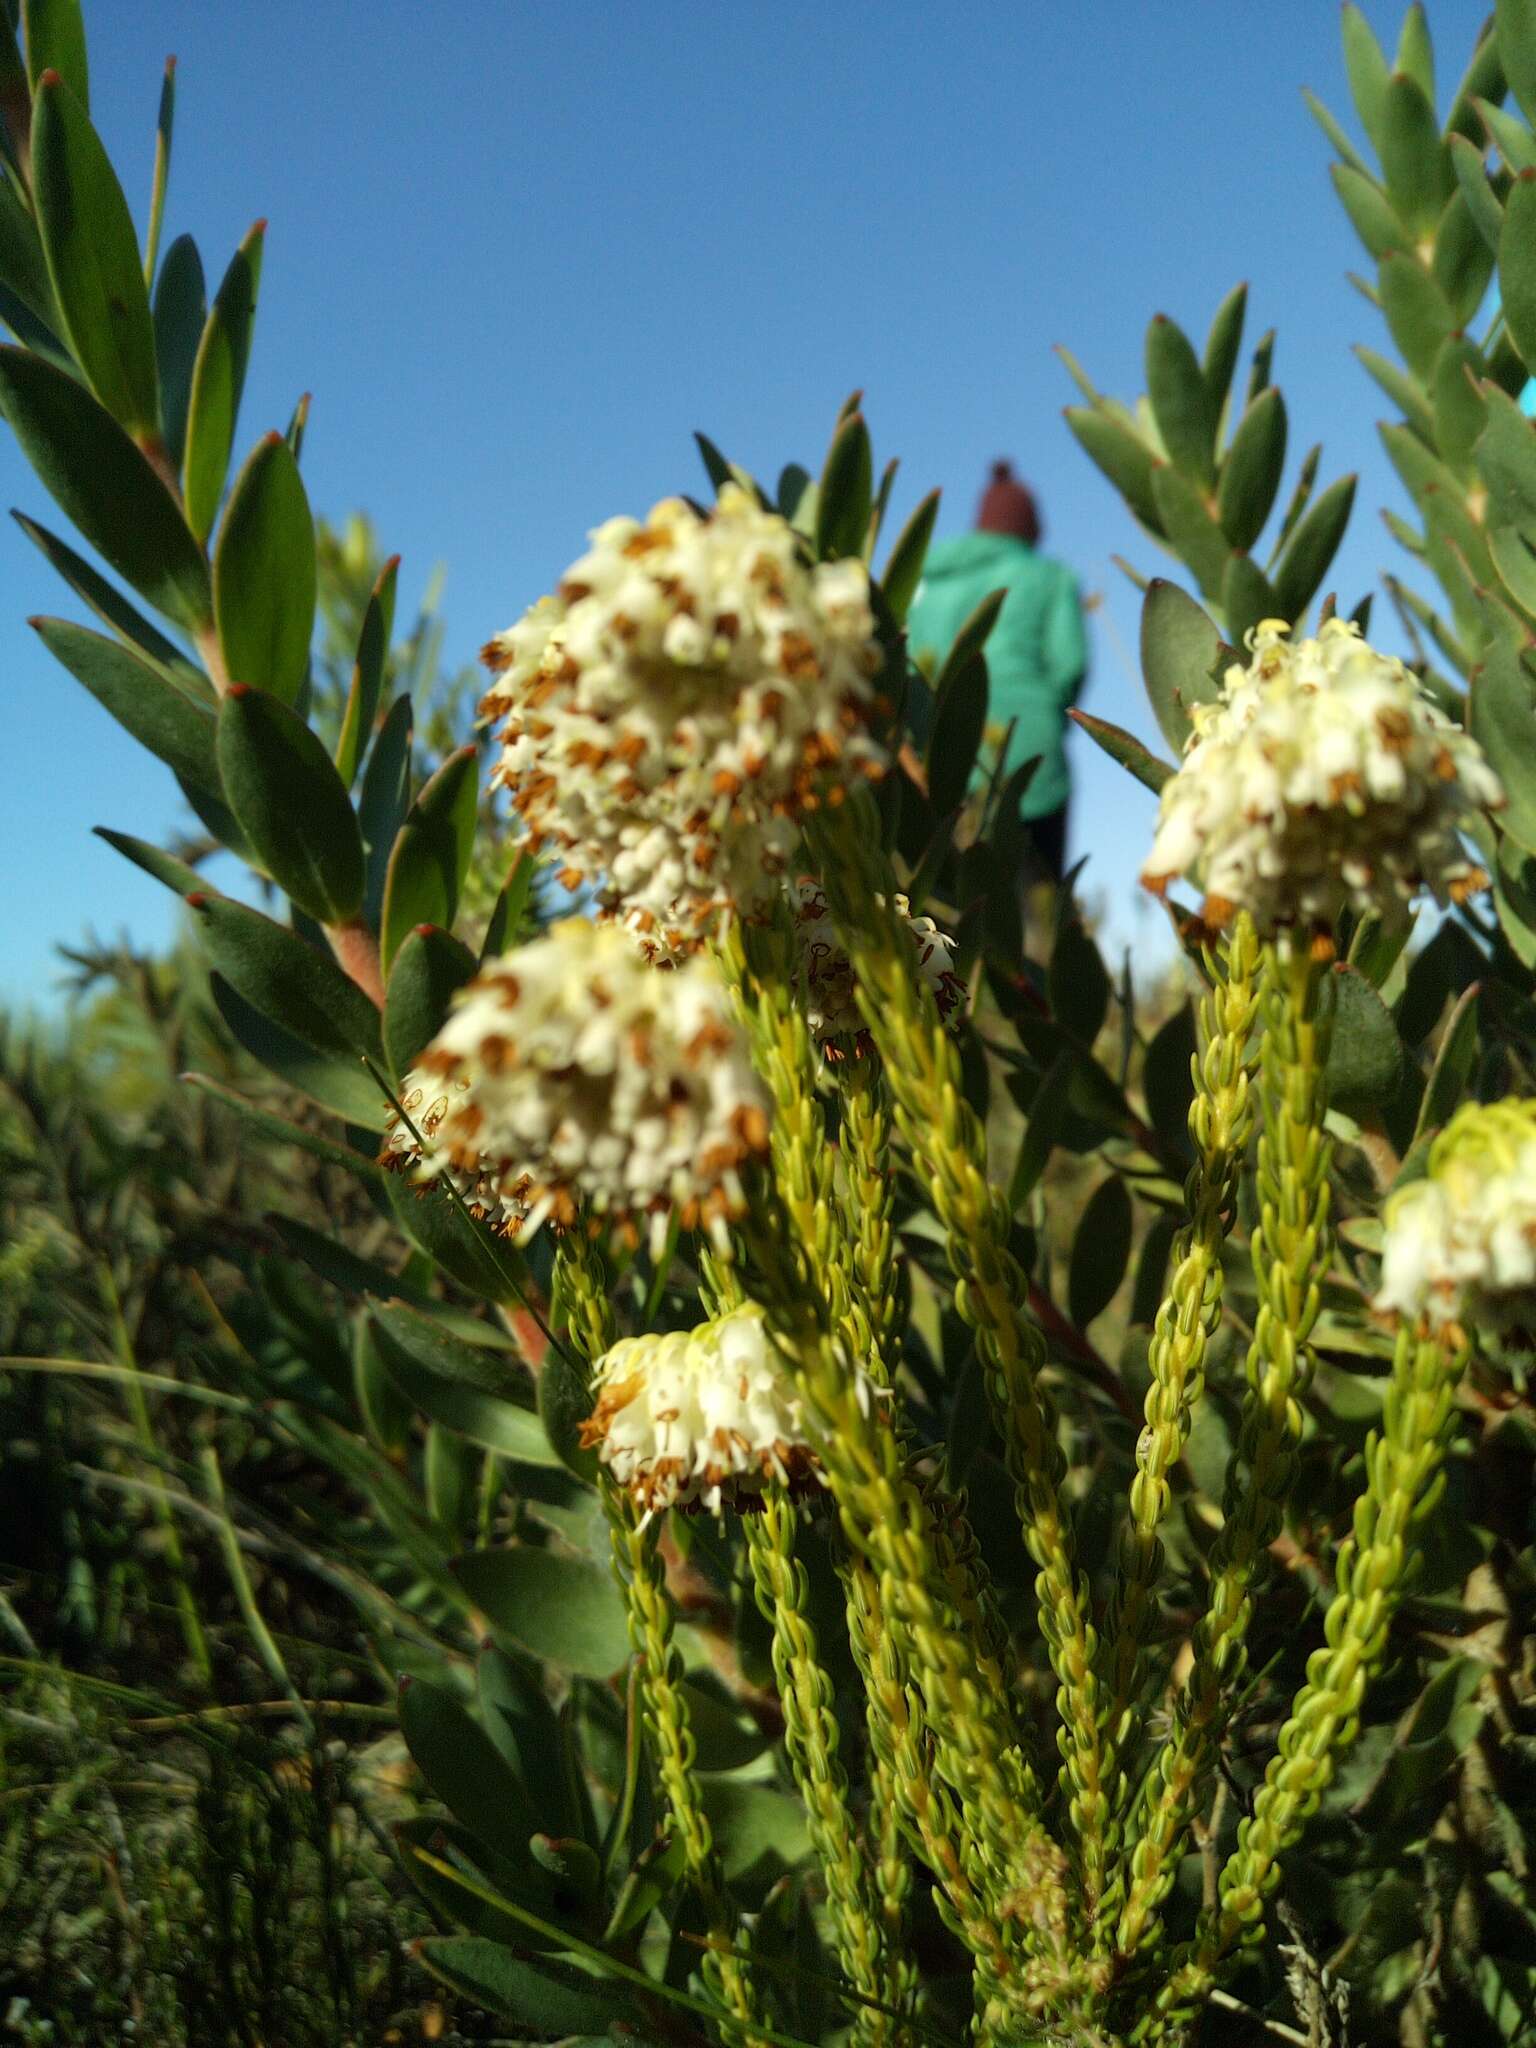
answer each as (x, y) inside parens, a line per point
(825, 980)
(569, 1072)
(498, 1196)
(1321, 777)
(1459, 1245)
(700, 1418)
(694, 686)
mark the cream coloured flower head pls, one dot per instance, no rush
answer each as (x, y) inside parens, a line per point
(700, 1418)
(571, 1072)
(694, 686)
(1322, 777)
(498, 1195)
(825, 979)
(1459, 1246)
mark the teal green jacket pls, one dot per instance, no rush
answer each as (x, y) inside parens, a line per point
(1037, 655)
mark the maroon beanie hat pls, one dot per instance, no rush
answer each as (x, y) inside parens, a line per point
(1007, 506)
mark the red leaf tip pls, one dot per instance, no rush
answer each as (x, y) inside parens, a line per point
(238, 690)
(170, 67)
(425, 931)
(196, 900)
(49, 79)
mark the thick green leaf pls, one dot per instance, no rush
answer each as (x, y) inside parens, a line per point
(565, 1402)
(180, 313)
(1180, 649)
(523, 1725)
(1518, 265)
(1077, 982)
(1515, 22)
(1366, 1056)
(1417, 311)
(1250, 474)
(958, 725)
(562, 1610)
(368, 671)
(338, 1083)
(1460, 409)
(114, 610)
(450, 1352)
(1125, 748)
(1404, 391)
(1222, 346)
(1365, 64)
(1513, 140)
(1191, 531)
(1246, 596)
(1167, 1079)
(552, 1997)
(761, 1831)
(1370, 211)
(279, 1131)
(463, 1247)
(165, 867)
(23, 267)
(1312, 548)
(1462, 262)
(290, 804)
(449, 1466)
(295, 986)
(1047, 1114)
(1483, 204)
(904, 567)
(1101, 1251)
(1335, 134)
(93, 259)
(1415, 51)
(430, 965)
(510, 923)
(846, 491)
(1123, 457)
(387, 1415)
(264, 574)
(218, 379)
(139, 697)
(1451, 1075)
(431, 854)
(1514, 892)
(1181, 401)
(106, 486)
(1502, 719)
(488, 1420)
(971, 639)
(55, 40)
(1417, 166)
(465, 1769)
(384, 799)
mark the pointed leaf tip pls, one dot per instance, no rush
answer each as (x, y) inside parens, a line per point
(197, 900)
(49, 80)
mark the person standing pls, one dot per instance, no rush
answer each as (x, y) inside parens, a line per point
(1037, 653)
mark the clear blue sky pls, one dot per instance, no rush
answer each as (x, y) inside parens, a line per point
(519, 253)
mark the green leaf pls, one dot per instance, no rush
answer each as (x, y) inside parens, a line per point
(959, 723)
(1077, 982)
(465, 1769)
(1047, 1114)
(1191, 531)
(565, 1402)
(1514, 892)
(563, 1610)
(550, 1996)
(1179, 651)
(279, 1131)
(430, 965)
(55, 38)
(387, 1415)
(520, 1721)
(1515, 26)
(846, 491)
(1181, 401)
(1123, 457)
(510, 923)
(1405, 392)
(218, 379)
(1246, 596)
(295, 986)
(1370, 211)
(139, 697)
(1484, 206)
(1250, 474)
(1415, 52)
(93, 259)
(1460, 409)
(115, 611)
(180, 314)
(106, 486)
(489, 1420)
(1312, 548)
(290, 804)
(1462, 262)
(761, 1831)
(1222, 346)
(904, 565)
(264, 574)
(1417, 311)
(383, 800)
(1365, 64)
(464, 1248)
(368, 671)
(23, 266)
(1513, 140)
(1517, 265)
(431, 854)
(1414, 159)
(1101, 1251)
(1451, 1075)
(175, 874)
(1335, 134)
(1125, 748)
(339, 1084)
(1502, 719)
(1167, 1079)
(1366, 1057)
(448, 1351)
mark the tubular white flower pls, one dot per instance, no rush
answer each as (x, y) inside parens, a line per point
(691, 690)
(1459, 1246)
(825, 981)
(570, 1072)
(1322, 777)
(499, 1195)
(700, 1418)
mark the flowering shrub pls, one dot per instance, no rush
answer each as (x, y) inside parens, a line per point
(1023, 1699)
